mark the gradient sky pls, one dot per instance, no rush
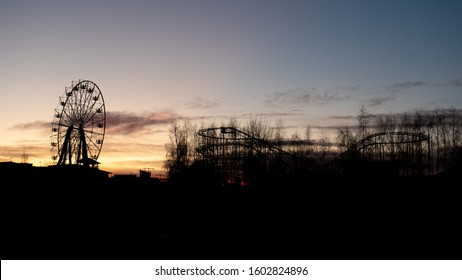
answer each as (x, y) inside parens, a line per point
(305, 62)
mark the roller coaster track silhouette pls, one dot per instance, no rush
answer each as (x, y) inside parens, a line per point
(408, 138)
(219, 143)
(238, 137)
(393, 139)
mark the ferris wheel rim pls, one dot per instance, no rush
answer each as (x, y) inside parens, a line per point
(81, 120)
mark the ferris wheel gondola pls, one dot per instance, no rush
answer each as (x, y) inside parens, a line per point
(79, 125)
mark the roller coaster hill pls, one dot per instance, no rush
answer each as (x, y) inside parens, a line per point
(240, 158)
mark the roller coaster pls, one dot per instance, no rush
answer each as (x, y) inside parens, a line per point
(238, 155)
(402, 153)
(242, 157)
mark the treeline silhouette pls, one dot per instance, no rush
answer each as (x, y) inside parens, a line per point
(414, 143)
(249, 192)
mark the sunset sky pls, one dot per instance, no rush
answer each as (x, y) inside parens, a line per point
(305, 62)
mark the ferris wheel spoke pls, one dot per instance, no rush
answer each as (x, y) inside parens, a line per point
(61, 125)
(95, 144)
(70, 100)
(79, 124)
(91, 134)
(68, 114)
(78, 99)
(86, 106)
(88, 116)
(88, 99)
(83, 107)
(99, 122)
(94, 113)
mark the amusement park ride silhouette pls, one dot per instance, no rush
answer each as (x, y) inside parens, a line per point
(324, 217)
(230, 150)
(78, 125)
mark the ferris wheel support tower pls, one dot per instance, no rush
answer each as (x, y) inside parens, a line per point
(79, 125)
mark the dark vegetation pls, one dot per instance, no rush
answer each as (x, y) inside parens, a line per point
(410, 144)
(378, 203)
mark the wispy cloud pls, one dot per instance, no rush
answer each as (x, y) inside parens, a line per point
(33, 125)
(116, 122)
(451, 83)
(346, 117)
(410, 84)
(25, 151)
(299, 96)
(202, 103)
(407, 84)
(129, 123)
(392, 92)
(369, 96)
(455, 83)
(381, 100)
(345, 90)
(10, 153)
(131, 147)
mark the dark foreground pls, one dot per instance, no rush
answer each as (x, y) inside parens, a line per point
(324, 218)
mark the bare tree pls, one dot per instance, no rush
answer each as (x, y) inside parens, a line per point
(259, 128)
(309, 142)
(345, 138)
(363, 121)
(233, 122)
(454, 133)
(324, 146)
(296, 148)
(279, 131)
(418, 122)
(181, 148)
(441, 139)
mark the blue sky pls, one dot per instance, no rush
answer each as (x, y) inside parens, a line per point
(307, 62)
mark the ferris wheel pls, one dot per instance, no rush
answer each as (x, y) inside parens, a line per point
(78, 125)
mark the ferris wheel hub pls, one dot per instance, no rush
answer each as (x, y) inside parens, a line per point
(79, 125)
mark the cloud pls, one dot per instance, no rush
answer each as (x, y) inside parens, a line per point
(130, 123)
(408, 84)
(343, 89)
(10, 153)
(336, 117)
(390, 93)
(455, 83)
(370, 97)
(25, 151)
(33, 125)
(450, 83)
(117, 122)
(381, 100)
(312, 96)
(202, 103)
(131, 147)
